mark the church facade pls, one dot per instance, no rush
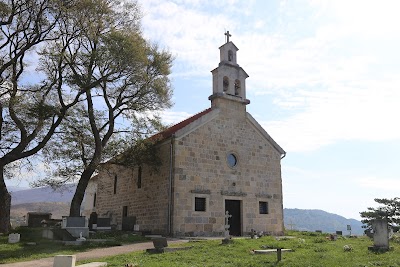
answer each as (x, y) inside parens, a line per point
(219, 160)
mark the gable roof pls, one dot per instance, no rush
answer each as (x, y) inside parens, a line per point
(167, 133)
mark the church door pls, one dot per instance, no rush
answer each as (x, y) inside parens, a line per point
(233, 207)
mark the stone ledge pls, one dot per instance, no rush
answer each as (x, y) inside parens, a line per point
(236, 194)
(200, 191)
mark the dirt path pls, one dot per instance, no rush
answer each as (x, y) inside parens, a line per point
(92, 254)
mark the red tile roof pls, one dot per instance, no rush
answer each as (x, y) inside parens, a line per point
(174, 128)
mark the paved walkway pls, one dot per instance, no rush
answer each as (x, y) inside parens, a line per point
(93, 254)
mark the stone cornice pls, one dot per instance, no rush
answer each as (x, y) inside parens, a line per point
(233, 193)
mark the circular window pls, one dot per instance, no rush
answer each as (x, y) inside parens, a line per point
(232, 160)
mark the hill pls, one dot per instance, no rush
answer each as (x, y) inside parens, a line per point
(43, 194)
(312, 220)
(57, 209)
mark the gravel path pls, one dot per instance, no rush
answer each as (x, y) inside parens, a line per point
(93, 254)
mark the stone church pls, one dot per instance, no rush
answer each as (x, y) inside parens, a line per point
(219, 160)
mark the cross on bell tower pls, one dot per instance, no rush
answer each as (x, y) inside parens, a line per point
(227, 34)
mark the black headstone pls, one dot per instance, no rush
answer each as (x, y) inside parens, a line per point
(128, 223)
(75, 221)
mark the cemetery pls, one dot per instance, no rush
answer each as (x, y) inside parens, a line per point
(255, 249)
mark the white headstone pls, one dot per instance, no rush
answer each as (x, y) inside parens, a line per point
(64, 261)
(381, 233)
(14, 238)
(227, 226)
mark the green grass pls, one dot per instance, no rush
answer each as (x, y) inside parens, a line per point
(46, 248)
(309, 250)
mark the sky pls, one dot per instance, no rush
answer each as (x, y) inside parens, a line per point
(324, 83)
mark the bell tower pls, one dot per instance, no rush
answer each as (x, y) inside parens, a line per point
(229, 79)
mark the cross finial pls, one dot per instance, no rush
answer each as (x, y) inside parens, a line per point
(227, 36)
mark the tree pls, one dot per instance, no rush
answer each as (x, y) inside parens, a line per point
(389, 210)
(124, 78)
(30, 113)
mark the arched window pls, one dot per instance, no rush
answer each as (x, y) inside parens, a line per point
(225, 83)
(230, 55)
(237, 87)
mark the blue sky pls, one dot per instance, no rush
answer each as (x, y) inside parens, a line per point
(324, 83)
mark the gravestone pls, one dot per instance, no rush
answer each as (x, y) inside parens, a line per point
(227, 238)
(64, 261)
(93, 221)
(14, 238)
(128, 223)
(70, 260)
(227, 226)
(349, 229)
(76, 225)
(35, 218)
(381, 235)
(160, 242)
(103, 224)
(253, 234)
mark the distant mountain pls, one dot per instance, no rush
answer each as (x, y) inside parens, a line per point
(15, 188)
(43, 194)
(57, 209)
(312, 220)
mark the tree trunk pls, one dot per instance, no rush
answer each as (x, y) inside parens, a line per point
(75, 209)
(5, 204)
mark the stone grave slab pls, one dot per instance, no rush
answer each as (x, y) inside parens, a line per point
(70, 260)
(64, 261)
(76, 226)
(381, 235)
(270, 251)
(103, 224)
(14, 238)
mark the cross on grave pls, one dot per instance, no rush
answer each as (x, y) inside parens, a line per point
(227, 34)
(227, 226)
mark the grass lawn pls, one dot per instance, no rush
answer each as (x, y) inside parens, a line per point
(46, 248)
(310, 249)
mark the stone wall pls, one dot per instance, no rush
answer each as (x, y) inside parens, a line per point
(149, 203)
(201, 170)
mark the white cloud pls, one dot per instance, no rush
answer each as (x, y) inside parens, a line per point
(389, 185)
(331, 65)
(173, 117)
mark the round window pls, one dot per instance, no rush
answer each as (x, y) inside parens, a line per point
(232, 160)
